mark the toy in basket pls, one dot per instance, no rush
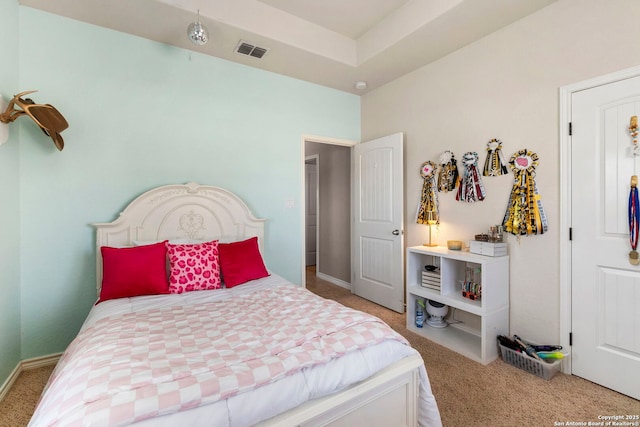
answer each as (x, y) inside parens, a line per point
(540, 360)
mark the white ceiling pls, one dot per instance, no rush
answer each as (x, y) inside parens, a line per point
(350, 18)
(334, 43)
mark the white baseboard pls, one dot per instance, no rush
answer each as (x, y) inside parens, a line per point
(39, 362)
(333, 280)
(25, 365)
(9, 382)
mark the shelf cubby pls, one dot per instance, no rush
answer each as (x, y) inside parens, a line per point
(476, 340)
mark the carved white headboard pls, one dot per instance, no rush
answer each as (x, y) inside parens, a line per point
(189, 211)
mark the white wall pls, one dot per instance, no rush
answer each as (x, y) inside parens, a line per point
(506, 86)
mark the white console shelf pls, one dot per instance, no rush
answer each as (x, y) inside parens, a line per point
(473, 324)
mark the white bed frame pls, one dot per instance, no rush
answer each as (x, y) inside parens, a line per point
(202, 212)
(190, 211)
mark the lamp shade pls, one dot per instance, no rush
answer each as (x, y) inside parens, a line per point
(432, 217)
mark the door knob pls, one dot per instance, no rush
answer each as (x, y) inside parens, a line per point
(395, 232)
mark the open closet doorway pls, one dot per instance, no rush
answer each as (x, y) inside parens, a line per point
(327, 174)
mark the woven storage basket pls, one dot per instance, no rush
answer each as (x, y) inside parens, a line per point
(527, 363)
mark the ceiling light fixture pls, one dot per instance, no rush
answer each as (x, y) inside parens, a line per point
(197, 32)
(361, 85)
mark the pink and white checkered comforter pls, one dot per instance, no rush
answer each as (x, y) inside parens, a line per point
(130, 367)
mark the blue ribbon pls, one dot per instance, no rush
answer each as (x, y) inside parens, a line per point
(634, 217)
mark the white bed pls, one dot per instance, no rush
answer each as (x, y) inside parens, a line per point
(383, 384)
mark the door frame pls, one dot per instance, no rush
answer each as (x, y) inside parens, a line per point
(566, 92)
(319, 140)
(316, 162)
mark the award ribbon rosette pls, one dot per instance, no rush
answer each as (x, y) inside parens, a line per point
(448, 172)
(428, 209)
(525, 214)
(634, 221)
(494, 164)
(471, 188)
(634, 208)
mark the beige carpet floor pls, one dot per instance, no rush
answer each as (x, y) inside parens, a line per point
(18, 405)
(468, 393)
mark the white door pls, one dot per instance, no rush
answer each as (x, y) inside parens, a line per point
(377, 236)
(605, 286)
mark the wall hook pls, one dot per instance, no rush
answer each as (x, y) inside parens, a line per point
(4, 127)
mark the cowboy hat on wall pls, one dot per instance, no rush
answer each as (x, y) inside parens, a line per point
(46, 116)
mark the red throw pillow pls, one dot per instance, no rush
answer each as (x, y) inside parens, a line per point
(129, 272)
(194, 267)
(241, 262)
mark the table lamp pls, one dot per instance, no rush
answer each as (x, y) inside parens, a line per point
(431, 221)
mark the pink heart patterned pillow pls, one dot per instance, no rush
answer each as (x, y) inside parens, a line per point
(194, 267)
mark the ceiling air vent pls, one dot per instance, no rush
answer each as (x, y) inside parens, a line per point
(248, 49)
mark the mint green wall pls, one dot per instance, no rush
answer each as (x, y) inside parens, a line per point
(9, 200)
(144, 114)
